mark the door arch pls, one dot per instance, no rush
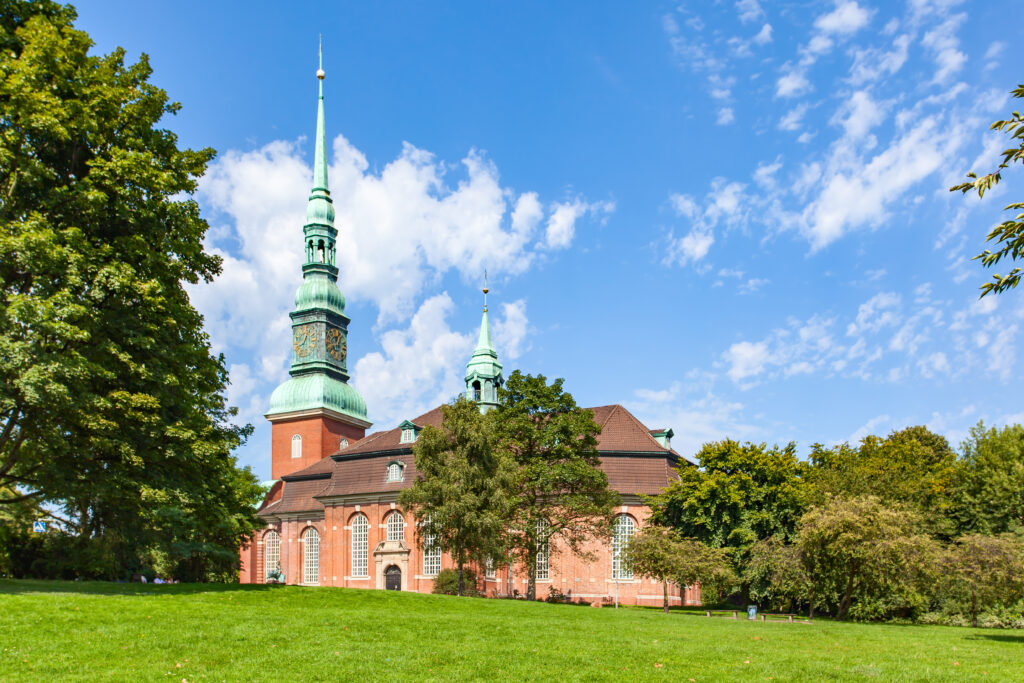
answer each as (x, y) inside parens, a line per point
(393, 578)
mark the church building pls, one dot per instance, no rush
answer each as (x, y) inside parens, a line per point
(331, 516)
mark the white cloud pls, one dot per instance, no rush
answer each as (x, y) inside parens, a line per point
(793, 119)
(725, 116)
(746, 359)
(859, 114)
(561, 227)
(764, 36)
(793, 82)
(944, 45)
(724, 204)
(753, 284)
(995, 49)
(422, 366)
(868, 428)
(847, 18)
(870, 64)
(881, 310)
(749, 10)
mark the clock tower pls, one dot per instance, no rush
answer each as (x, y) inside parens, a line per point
(316, 411)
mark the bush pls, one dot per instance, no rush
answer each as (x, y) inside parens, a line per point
(447, 583)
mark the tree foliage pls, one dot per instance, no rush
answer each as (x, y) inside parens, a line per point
(112, 406)
(654, 552)
(741, 493)
(986, 571)
(865, 553)
(561, 494)
(989, 495)
(462, 495)
(1008, 236)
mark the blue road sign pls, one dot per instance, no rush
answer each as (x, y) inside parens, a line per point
(39, 527)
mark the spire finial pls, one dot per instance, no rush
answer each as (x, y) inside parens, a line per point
(485, 290)
(320, 74)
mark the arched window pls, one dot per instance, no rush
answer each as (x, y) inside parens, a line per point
(621, 533)
(296, 446)
(431, 554)
(311, 557)
(271, 553)
(543, 551)
(489, 568)
(320, 252)
(395, 471)
(396, 526)
(476, 390)
(360, 545)
(343, 443)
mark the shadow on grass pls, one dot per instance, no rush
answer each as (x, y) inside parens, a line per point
(21, 586)
(1001, 637)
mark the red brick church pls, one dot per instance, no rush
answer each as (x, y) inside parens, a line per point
(332, 517)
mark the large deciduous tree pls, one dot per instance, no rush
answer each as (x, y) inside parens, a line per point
(462, 495)
(111, 404)
(868, 554)
(740, 493)
(989, 491)
(562, 495)
(1008, 236)
(984, 571)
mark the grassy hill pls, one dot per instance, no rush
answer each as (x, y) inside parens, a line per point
(102, 632)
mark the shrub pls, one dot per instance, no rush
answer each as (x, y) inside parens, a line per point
(447, 583)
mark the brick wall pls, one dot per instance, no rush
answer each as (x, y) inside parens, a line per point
(320, 438)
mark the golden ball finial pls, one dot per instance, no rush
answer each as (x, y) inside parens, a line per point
(320, 74)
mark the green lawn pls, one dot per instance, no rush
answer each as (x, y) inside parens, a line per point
(53, 631)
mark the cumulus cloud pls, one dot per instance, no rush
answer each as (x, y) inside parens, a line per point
(725, 116)
(847, 17)
(723, 206)
(400, 230)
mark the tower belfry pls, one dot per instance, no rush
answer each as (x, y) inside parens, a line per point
(483, 371)
(314, 410)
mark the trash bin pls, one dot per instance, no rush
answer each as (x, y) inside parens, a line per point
(751, 612)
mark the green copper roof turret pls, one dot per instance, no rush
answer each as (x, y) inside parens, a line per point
(483, 371)
(319, 325)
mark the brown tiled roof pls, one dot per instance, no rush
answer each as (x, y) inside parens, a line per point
(391, 440)
(633, 460)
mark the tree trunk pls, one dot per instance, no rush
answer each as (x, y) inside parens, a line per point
(664, 585)
(810, 614)
(460, 579)
(844, 604)
(531, 576)
(974, 608)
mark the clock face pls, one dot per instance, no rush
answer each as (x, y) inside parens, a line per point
(304, 340)
(336, 344)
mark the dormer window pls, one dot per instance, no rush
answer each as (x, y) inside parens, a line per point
(394, 471)
(343, 443)
(409, 432)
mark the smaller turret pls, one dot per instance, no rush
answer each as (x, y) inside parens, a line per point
(483, 371)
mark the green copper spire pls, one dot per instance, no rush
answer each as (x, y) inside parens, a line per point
(319, 325)
(483, 371)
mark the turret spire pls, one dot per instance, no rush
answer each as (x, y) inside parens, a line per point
(483, 371)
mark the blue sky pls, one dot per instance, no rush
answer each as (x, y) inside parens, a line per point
(733, 218)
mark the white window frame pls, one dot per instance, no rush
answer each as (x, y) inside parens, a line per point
(271, 552)
(396, 526)
(394, 471)
(408, 435)
(622, 531)
(543, 572)
(311, 557)
(489, 568)
(431, 557)
(360, 546)
(296, 446)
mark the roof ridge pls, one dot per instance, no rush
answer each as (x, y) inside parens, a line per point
(644, 428)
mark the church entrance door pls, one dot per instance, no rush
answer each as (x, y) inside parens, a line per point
(393, 578)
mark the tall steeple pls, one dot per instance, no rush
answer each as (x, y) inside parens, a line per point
(483, 371)
(319, 375)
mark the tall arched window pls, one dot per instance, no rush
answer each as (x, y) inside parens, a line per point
(543, 551)
(476, 390)
(271, 553)
(621, 533)
(360, 545)
(396, 526)
(311, 557)
(431, 554)
(296, 446)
